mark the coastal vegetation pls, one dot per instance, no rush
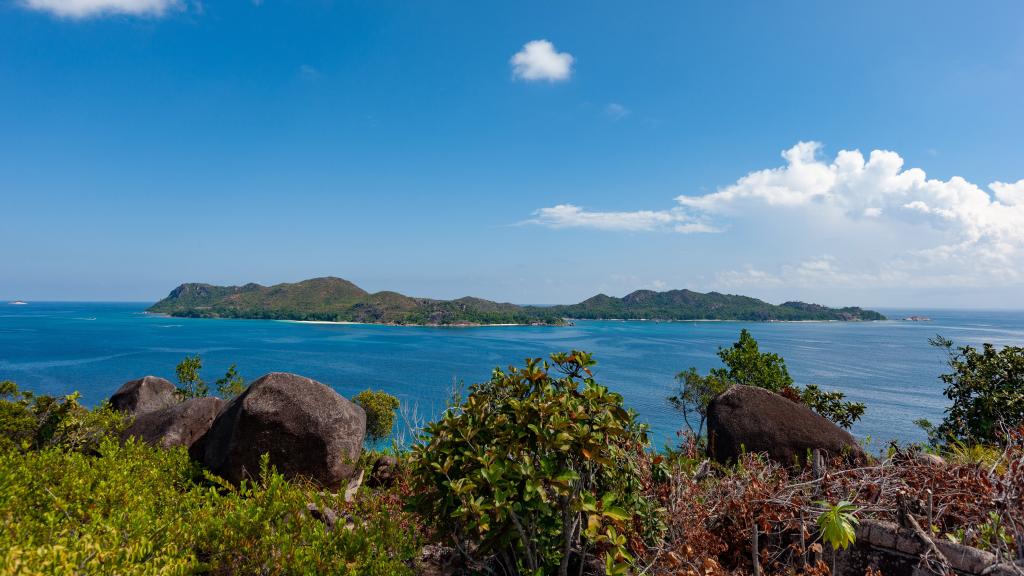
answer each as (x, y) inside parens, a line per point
(338, 300)
(540, 470)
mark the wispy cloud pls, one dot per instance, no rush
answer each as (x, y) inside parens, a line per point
(310, 73)
(616, 111)
(572, 216)
(80, 9)
(538, 60)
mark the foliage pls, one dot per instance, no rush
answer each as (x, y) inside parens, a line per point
(136, 509)
(744, 363)
(190, 383)
(31, 422)
(986, 388)
(537, 466)
(695, 393)
(831, 405)
(838, 524)
(231, 384)
(380, 413)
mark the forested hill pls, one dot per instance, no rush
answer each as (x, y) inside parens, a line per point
(690, 305)
(335, 299)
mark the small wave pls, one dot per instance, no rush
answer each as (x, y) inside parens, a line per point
(169, 326)
(93, 318)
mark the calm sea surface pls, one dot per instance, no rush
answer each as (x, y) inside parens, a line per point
(57, 348)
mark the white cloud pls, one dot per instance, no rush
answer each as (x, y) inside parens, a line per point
(571, 216)
(78, 9)
(538, 60)
(880, 189)
(616, 111)
(1009, 194)
(883, 225)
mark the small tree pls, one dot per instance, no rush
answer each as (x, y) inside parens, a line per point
(380, 413)
(744, 363)
(231, 384)
(190, 384)
(986, 388)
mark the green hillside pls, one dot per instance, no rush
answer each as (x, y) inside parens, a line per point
(338, 300)
(689, 305)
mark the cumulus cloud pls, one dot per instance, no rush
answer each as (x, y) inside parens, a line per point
(881, 224)
(879, 188)
(538, 60)
(572, 216)
(78, 9)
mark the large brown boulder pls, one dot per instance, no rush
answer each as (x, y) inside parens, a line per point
(146, 394)
(178, 425)
(307, 429)
(745, 418)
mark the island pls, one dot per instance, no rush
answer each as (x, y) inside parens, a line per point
(333, 299)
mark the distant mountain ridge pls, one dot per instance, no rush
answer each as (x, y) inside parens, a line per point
(338, 300)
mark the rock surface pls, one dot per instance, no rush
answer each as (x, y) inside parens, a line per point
(146, 394)
(307, 429)
(384, 472)
(179, 425)
(745, 418)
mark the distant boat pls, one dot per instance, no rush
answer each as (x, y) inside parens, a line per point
(917, 319)
(18, 303)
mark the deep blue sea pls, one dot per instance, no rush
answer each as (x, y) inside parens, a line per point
(57, 348)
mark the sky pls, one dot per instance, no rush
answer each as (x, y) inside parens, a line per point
(846, 153)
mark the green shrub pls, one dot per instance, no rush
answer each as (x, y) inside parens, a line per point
(380, 413)
(136, 509)
(535, 468)
(31, 422)
(986, 388)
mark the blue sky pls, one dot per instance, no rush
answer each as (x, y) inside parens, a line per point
(533, 152)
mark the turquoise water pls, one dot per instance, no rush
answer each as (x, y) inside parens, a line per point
(57, 348)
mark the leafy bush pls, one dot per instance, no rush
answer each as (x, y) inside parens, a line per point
(136, 509)
(537, 468)
(380, 413)
(31, 422)
(744, 363)
(986, 388)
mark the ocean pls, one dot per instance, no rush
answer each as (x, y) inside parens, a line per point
(61, 347)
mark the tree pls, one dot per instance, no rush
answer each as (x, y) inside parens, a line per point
(744, 363)
(231, 384)
(190, 384)
(986, 388)
(380, 413)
